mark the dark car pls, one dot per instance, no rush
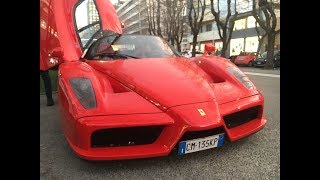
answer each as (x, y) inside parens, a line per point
(261, 61)
(232, 58)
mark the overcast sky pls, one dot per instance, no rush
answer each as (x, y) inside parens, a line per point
(81, 14)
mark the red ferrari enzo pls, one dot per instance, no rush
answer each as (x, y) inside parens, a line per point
(133, 96)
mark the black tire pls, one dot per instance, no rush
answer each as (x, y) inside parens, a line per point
(250, 64)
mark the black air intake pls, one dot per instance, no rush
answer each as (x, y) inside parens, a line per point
(241, 117)
(129, 136)
(201, 134)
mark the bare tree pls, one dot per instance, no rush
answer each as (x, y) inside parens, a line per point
(224, 24)
(195, 17)
(153, 17)
(169, 19)
(175, 21)
(260, 39)
(166, 19)
(158, 19)
(179, 26)
(267, 21)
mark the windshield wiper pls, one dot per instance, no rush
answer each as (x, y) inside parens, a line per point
(114, 54)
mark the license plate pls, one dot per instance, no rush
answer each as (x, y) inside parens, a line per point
(200, 144)
(258, 62)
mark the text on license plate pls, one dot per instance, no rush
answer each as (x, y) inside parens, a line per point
(200, 144)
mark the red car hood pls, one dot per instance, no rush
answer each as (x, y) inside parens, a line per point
(166, 82)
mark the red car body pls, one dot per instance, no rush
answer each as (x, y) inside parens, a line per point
(245, 58)
(49, 41)
(155, 100)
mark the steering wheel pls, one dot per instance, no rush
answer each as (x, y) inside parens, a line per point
(98, 46)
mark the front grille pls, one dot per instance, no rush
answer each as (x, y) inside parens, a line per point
(130, 136)
(241, 117)
(201, 134)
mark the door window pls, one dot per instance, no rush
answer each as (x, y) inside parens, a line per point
(87, 21)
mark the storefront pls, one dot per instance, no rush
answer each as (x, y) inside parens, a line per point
(236, 46)
(248, 44)
(251, 44)
(218, 44)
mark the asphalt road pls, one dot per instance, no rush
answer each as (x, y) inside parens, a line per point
(255, 157)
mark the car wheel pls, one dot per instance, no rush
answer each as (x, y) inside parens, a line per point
(250, 64)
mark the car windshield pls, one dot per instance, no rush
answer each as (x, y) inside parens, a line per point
(137, 46)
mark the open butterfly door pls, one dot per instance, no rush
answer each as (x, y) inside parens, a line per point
(66, 26)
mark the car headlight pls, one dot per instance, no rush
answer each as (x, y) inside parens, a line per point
(82, 87)
(241, 77)
(265, 60)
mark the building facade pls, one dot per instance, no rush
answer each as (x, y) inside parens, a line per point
(244, 36)
(118, 4)
(93, 15)
(133, 13)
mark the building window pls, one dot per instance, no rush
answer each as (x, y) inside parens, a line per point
(208, 27)
(251, 22)
(240, 24)
(252, 44)
(236, 46)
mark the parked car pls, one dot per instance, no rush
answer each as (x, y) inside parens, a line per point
(232, 58)
(261, 60)
(245, 58)
(126, 96)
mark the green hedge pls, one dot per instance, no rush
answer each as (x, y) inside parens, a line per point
(53, 75)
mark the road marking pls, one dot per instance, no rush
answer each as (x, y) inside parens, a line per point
(262, 74)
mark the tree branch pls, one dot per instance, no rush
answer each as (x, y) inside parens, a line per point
(255, 15)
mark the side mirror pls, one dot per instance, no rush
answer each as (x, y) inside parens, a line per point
(57, 52)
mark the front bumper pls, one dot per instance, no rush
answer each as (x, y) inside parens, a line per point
(241, 62)
(169, 137)
(259, 63)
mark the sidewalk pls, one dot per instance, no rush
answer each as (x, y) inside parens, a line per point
(260, 70)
